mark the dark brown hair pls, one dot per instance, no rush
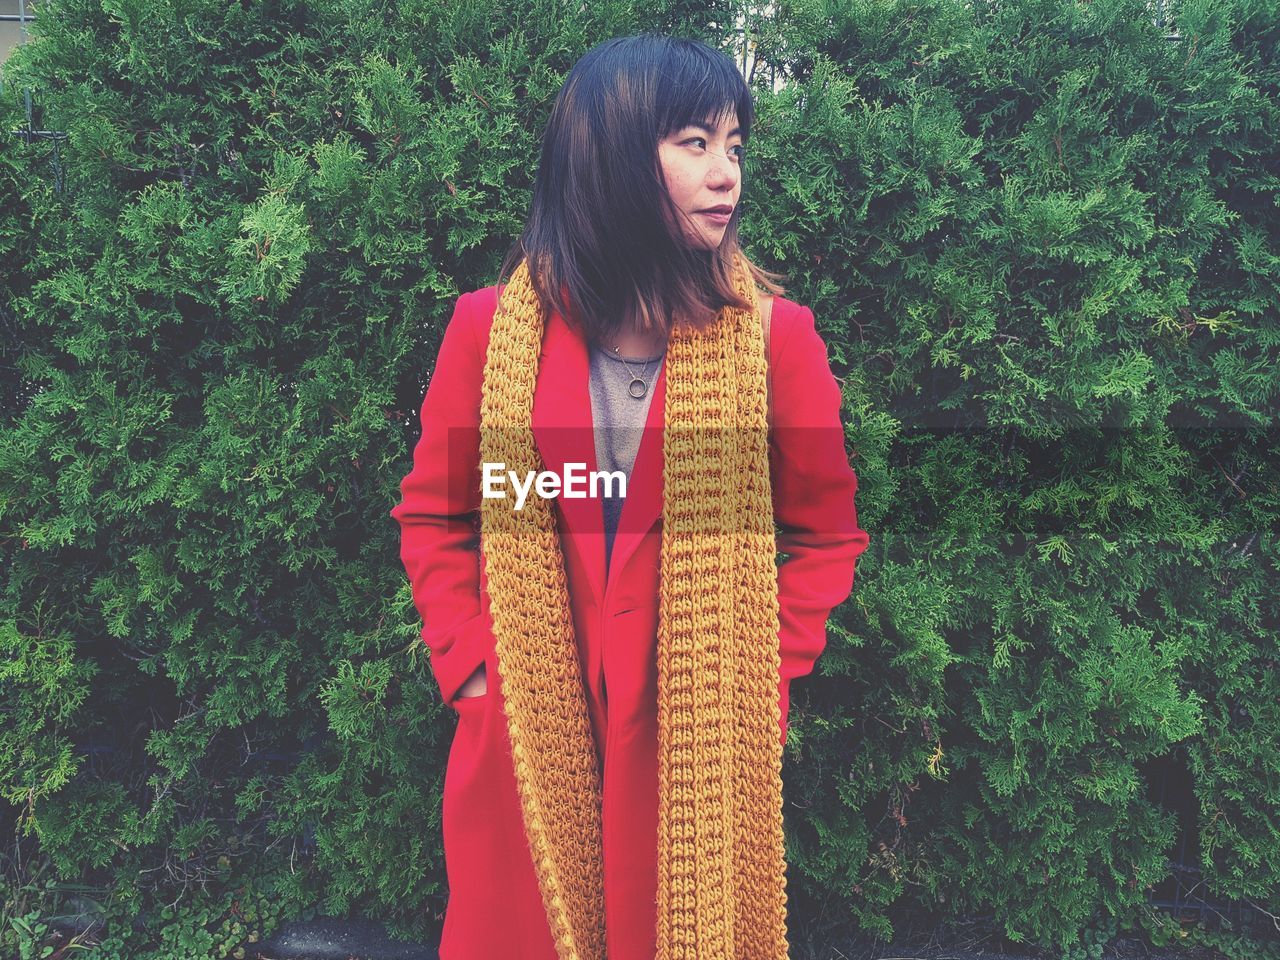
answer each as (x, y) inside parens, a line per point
(602, 237)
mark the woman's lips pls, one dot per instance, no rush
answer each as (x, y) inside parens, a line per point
(720, 218)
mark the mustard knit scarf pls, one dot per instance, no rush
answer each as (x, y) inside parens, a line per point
(721, 872)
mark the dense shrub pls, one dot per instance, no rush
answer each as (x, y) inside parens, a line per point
(1042, 241)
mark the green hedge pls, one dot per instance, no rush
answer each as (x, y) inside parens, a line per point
(1042, 240)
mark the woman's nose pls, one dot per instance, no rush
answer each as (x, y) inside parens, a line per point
(723, 168)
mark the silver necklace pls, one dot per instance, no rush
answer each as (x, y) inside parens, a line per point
(638, 387)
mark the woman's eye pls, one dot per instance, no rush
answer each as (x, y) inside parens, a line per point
(742, 151)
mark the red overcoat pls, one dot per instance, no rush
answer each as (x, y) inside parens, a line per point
(495, 911)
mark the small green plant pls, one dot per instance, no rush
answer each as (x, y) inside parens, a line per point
(1165, 931)
(1232, 944)
(212, 922)
(1093, 941)
(30, 933)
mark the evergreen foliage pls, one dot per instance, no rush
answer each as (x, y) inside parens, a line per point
(1042, 240)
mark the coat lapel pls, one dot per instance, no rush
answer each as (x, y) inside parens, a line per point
(644, 484)
(564, 432)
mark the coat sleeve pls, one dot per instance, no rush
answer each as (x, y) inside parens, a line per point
(813, 500)
(439, 508)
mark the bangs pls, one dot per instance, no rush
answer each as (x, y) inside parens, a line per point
(695, 88)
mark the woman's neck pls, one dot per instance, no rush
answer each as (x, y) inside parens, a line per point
(634, 344)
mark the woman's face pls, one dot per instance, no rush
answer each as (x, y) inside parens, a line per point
(703, 170)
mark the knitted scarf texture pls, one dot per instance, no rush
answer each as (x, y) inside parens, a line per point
(721, 868)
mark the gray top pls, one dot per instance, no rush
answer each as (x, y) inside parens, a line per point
(619, 420)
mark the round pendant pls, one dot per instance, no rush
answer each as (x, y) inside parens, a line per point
(638, 388)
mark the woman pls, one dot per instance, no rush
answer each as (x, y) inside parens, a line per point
(620, 665)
